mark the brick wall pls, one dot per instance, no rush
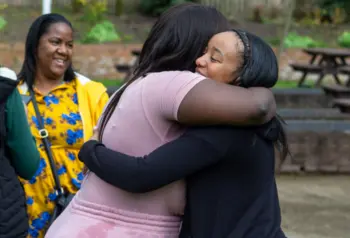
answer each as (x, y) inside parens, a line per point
(314, 152)
(98, 61)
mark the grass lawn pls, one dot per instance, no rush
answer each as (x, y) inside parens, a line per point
(292, 84)
(110, 82)
(280, 83)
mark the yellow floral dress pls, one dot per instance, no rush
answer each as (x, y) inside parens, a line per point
(60, 113)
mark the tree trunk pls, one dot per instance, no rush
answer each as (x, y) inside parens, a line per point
(288, 23)
(119, 7)
(347, 11)
(76, 6)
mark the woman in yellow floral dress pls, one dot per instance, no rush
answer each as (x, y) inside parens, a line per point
(70, 105)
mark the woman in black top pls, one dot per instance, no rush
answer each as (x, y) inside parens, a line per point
(231, 188)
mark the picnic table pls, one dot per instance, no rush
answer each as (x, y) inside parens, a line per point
(323, 61)
(346, 70)
(340, 93)
(343, 104)
(127, 68)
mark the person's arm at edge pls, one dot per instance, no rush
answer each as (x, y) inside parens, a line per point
(24, 154)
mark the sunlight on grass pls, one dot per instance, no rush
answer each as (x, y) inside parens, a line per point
(110, 82)
(291, 84)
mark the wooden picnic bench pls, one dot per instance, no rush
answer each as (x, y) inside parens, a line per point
(339, 91)
(323, 62)
(346, 70)
(307, 69)
(343, 104)
(127, 69)
(136, 52)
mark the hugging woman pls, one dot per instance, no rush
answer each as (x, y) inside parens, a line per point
(165, 96)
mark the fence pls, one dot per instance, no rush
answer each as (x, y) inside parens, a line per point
(230, 8)
(128, 4)
(234, 9)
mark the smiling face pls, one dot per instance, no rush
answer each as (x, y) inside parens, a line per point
(54, 52)
(222, 58)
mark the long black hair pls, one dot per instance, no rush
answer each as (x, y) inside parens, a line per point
(260, 69)
(176, 40)
(40, 27)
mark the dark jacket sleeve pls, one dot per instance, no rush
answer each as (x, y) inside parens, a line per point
(24, 154)
(170, 162)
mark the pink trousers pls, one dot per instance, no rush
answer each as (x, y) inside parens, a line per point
(82, 219)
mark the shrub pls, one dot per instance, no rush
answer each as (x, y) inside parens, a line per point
(344, 39)
(293, 40)
(94, 10)
(102, 32)
(3, 23)
(330, 5)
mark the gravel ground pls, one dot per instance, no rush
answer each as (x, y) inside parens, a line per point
(315, 206)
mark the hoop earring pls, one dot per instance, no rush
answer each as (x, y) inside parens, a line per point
(236, 81)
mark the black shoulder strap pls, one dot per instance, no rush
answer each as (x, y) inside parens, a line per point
(44, 136)
(2, 129)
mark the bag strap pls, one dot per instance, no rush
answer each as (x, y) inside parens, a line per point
(44, 134)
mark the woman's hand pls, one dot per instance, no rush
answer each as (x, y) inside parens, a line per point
(95, 134)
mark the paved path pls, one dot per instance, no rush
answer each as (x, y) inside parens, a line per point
(315, 206)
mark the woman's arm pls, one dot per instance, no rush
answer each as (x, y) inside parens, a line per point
(210, 102)
(24, 154)
(175, 160)
(193, 99)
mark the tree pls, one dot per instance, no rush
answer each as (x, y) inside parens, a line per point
(287, 26)
(77, 6)
(119, 7)
(331, 5)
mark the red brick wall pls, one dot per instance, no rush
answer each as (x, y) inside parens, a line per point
(98, 61)
(314, 152)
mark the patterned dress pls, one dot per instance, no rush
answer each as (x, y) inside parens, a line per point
(60, 113)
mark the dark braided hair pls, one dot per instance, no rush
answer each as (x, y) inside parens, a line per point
(260, 69)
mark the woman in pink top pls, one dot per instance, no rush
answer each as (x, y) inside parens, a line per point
(151, 110)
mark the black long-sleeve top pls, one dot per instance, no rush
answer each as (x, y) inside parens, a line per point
(231, 189)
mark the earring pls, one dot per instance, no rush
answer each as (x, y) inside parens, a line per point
(237, 81)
